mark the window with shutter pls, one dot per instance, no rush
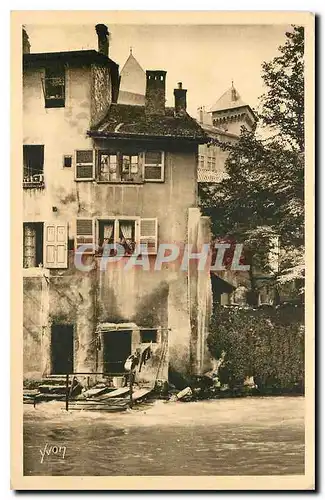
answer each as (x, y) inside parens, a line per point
(56, 245)
(119, 167)
(148, 235)
(154, 162)
(85, 165)
(85, 235)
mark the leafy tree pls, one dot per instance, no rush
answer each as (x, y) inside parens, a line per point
(262, 195)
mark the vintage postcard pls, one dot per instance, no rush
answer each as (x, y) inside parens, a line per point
(162, 250)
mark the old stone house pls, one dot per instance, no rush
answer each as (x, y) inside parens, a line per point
(97, 170)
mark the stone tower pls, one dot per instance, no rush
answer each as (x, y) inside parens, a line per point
(230, 112)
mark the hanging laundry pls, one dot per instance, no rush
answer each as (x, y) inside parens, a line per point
(145, 356)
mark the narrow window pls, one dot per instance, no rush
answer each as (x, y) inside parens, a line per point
(33, 158)
(67, 161)
(201, 161)
(33, 244)
(54, 87)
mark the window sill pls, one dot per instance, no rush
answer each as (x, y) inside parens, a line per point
(33, 185)
(35, 272)
(120, 182)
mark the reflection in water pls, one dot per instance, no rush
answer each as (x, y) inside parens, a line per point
(251, 436)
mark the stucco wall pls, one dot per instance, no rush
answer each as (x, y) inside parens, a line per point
(84, 299)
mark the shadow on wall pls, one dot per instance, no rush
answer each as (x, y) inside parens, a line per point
(152, 310)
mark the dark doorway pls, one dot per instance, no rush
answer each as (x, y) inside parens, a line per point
(62, 349)
(117, 348)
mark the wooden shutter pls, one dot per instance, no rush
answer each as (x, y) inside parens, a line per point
(85, 165)
(55, 245)
(154, 166)
(85, 235)
(148, 234)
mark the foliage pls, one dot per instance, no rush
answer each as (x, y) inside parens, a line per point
(267, 343)
(283, 103)
(262, 194)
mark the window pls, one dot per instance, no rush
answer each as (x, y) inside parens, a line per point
(54, 87)
(130, 167)
(211, 163)
(67, 161)
(33, 244)
(201, 161)
(119, 167)
(154, 166)
(118, 231)
(128, 232)
(33, 158)
(45, 244)
(148, 336)
(85, 165)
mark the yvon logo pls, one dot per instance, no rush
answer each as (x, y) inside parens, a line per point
(58, 451)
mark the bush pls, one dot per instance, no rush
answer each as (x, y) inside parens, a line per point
(267, 343)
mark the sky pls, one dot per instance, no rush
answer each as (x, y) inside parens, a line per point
(205, 58)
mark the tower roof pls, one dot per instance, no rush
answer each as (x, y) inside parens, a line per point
(133, 77)
(230, 99)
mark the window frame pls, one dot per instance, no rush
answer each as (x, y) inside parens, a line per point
(33, 180)
(138, 236)
(63, 160)
(40, 244)
(162, 165)
(119, 171)
(54, 102)
(116, 220)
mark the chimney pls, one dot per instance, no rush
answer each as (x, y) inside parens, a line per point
(26, 44)
(155, 92)
(103, 38)
(180, 100)
(200, 114)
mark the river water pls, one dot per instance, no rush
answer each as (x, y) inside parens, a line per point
(249, 436)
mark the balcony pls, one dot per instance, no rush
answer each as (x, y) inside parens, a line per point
(35, 181)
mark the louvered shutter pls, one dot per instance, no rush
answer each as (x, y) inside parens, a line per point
(85, 235)
(55, 245)
(85, 165)
(148, 234)
(154, 166)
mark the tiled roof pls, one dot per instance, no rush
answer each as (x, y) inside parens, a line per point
(123, 120)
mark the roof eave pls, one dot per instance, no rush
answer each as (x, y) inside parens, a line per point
(95, 134)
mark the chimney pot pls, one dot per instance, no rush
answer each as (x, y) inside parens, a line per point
(180, 100)
(155, 92)
(103, 38)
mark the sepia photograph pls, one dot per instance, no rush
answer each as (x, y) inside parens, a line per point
(163, 190)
